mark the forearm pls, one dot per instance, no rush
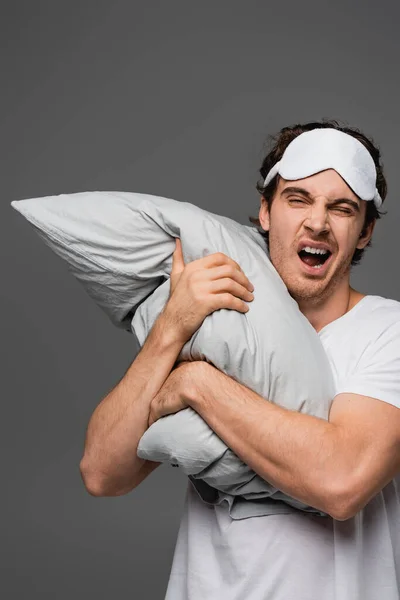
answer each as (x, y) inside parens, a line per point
(110, 463)
(299, 454)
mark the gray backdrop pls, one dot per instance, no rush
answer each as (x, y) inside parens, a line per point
(170, 98)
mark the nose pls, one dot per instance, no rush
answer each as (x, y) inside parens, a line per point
(317, 219)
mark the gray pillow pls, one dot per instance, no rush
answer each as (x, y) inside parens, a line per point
(119, 246)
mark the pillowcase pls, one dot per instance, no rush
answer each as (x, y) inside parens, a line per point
(119, 245)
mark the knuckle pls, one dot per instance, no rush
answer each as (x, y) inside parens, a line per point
(233, 262)
(228, 283)
(198, 298)
(230, 299)
(223, 300)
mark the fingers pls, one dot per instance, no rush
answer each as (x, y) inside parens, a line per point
(220, 265)
(213, 282)
(230, 285)
(219, 259)
(232, 272)
(227, 282)
(233, 288)
(226, 300)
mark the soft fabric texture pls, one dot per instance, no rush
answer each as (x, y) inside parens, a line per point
(120, 245)
(324, 148)
(299, 555)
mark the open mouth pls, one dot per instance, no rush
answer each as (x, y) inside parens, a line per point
(314, 259)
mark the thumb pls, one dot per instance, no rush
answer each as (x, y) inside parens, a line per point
(178, 264)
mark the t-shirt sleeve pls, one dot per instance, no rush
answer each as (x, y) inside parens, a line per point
(377, 373)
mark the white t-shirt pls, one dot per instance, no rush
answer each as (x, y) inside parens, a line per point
(302, 556)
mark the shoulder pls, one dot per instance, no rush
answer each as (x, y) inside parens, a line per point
(379, 307)
(363, 348)
(369, 361)
(376, 325)
(369, 319)
(378, 319)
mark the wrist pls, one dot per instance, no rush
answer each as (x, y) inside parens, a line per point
(164, 336)
(169, 324)
(196, 379)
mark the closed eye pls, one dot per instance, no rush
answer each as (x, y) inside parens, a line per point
(340, 209)
(345, 211)
(297, 200)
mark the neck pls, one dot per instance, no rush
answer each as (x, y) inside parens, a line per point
(322, 311)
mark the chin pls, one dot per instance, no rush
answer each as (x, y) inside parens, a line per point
(308, 290)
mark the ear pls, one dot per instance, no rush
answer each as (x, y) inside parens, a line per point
(366, 235)
(263, 215)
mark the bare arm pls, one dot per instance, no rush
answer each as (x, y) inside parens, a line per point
(336, 465)
(110, 465)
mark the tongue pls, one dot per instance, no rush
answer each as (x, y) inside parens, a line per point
(311, 260)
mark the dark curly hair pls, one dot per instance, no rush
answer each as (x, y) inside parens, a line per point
(278, 144)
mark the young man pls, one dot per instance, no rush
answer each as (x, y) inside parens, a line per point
(322, 187)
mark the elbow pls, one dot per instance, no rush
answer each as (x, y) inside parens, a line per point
(344, 503)
(93, 488)
(91, 481)
(341, 513)
(347, 510)
(99, 486)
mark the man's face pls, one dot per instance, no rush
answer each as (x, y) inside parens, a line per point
(317, 213)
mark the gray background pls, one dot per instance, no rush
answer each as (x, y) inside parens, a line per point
(170, 98)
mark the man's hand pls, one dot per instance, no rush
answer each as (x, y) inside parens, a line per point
(175, 392)
(201, 287)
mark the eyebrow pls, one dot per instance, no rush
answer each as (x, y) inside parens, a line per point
(298, 190)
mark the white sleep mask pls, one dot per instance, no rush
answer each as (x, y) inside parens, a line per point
(314, 151)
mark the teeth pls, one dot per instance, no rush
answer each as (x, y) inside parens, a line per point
(315, 250)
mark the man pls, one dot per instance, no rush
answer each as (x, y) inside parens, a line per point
(317, 225)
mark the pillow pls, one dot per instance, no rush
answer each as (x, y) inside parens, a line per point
(119, 245)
